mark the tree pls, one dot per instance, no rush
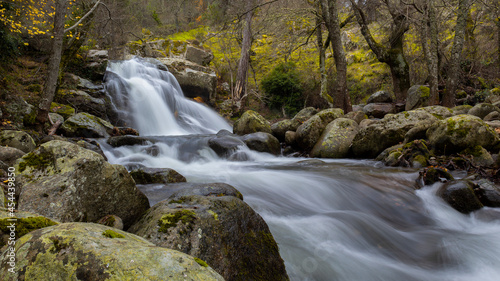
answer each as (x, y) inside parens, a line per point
(330, 15)
(456, 53)
(392, 55)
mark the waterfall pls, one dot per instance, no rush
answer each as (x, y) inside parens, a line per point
(339, 220)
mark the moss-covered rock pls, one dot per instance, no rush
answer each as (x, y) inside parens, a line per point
(372, 139)
(413, 154)
(479, 156)
(64, 110)
(461, 109)
(86, 251)
(431, 175)
(65, 182)
(357, 116)
(156, 175)
(494, 96)
(262, 142)
(438, 111)
(482, 109)
(459, 132)
(219, 229)
(83, 102)
(336, 139)
(310, 131)
(24, 222)
(460, 195)
(56, 117)
(86, 125)
(378, 110)
(280, 128)
(251, 122)
(417, 96)
(17, 139)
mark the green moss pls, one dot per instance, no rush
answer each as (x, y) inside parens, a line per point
(214, 214)
(421, 160)
(454, 127)
(425, 92)
(65, 111)
(170, 220)
(25, 225)
(37, 161)
(476, 151)
(112, 234)
(201, 262)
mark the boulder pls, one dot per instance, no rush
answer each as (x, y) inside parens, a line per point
(371, 140)
(488, 193)
(83, 83)
(378, 110)
(417, 96)
(482, 109)
(217, 228)
(64, 110)
(433, 174)
(86, 125)
(290, 138)
(97, 62)
(251, 122)
(9, 155)
(65, 182)
(112, 221)
(380, 97)
(25, 222)
(17, 139)
(438, 111)
(357, 116)
(87, 251)
(262, 142)
(56, 118)
(459, 132)
(310, 131)
(460, 195)
(83, 102)
(479, 156)
(126, 140)
(492, 116)
(494, 96)
(414, 154)
(418, 131)
(336, 139)
(156, 175)
(198, 55)
(224, 146)
(281, 127)
(302, 116)
(461, 109)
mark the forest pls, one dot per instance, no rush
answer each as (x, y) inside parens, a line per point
(280, 56)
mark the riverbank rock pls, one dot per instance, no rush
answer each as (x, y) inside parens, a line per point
(357, 116)
(17, 139)
(9, 155)
(310, 131)
(217, 228)
(460, 195)
(199, 56)
(280, 128)
(262, 142)
(438, 111)
(380, 97)
(251, 122)
(461, 109)
(25, 222)
(488, 193)
(64, 110)
(417, 96)
(126, 140)
(225, 145)
(86, 125)
(85, 251)
(482, 109)
(336, 140)
(83, 102)
(479, 156)
(65, 182)
(374, 138)
(378, 110)
(156, 175)
(459, 132)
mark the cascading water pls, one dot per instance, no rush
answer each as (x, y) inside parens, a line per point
(343, 220)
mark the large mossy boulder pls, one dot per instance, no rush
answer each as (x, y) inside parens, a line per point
(280, 128)
(460, 195)
(64, 110)
(459, 132)
(87, 251)
(417, 96)
(262, 142)
(24, 222)
(218, 228)
(66, 182)
(461, 109)
(156, 175)
(310, 131)
(374, 138)
(86, 125)
(336, 140)
(17, 139)
(83, 102)
(483, 109)
(251, 122)
(438, 111)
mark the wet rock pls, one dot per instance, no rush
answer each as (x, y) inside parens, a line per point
(459, 132)
(336, 139)
(25, 222)
(251, 122)
(378, 110)
(417, 96)
(262, 142)
(310, 131)
(431, 175)
(380, 97)
(9, 155)
(17, 139)
(413, 154)
(156, 175)
(205, 189)
(239, 156)
(87, 251)
(483, 109)
(488, 193)
(199, 56)
(460, 195)
(65, 182)
(86, 125)
(225, 146)
(126, 140)
(220, 229)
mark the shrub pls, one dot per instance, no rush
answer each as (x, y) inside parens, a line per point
(283, 88)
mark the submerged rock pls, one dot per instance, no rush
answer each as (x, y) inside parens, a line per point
(65, 182)
(251, 122)
(86, 251)
(460, 195)
(214, 225)
(262, 142)
(17, 139)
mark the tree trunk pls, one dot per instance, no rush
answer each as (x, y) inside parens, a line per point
(330, 14)
(430, 47)
(322, 64)
(241, 78)
(50, 86)
(456, 52)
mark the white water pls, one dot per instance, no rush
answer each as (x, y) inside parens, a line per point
(338, 220)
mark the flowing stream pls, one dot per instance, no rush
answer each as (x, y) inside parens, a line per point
(333, 219)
